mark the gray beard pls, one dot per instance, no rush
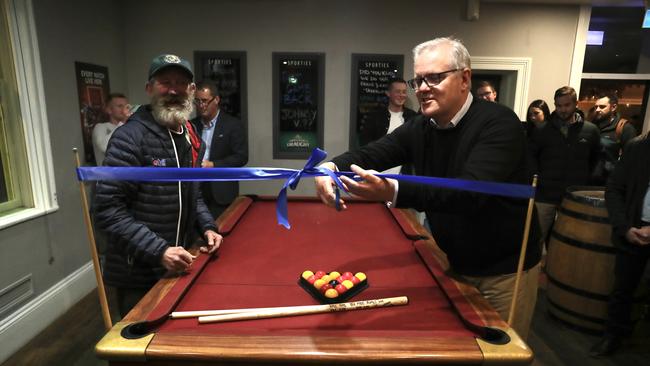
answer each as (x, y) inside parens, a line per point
(171, 116)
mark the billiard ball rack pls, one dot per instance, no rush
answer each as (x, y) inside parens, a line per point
(341, 297)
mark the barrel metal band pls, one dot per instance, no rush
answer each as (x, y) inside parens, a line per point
(575, 326)
(583, 216)
(576, 314)
(599, 248)
(577, 291)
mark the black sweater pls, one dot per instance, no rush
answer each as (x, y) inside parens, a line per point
(480, 233)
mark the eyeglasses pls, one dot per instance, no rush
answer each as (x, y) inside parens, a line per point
(200, 102)
(430, 80)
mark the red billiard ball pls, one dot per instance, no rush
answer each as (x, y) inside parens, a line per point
(325, 287)
(340, 279)
(347, 275)
(319, 274)
(340, 288)
(311, 279)
(355, 280)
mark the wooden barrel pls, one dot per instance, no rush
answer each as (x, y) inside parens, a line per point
(580, 260)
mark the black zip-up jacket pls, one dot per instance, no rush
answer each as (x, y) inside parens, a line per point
(141, 218)
(562, 161)
(625, 192)
(611, 146)
(481, 234)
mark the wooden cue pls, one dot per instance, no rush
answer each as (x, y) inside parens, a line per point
(199, 313)
(306, 310)
(522, 255)
(108, 324)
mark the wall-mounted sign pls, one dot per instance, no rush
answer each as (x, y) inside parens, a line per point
(298, 94)
(370, 76)
(92, 88)
(227, 69)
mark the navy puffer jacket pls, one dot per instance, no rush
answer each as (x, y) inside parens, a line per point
(141, 218)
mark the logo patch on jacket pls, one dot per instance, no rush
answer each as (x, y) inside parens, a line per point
(583, 140)
(159, 162)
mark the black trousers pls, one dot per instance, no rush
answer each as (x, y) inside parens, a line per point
(627, 275)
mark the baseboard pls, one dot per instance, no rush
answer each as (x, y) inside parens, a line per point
(25, 323)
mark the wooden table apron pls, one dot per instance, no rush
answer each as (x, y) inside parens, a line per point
(259, 264)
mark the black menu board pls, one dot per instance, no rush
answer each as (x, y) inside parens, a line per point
(298, 93)
(227, 69)
(370, 76)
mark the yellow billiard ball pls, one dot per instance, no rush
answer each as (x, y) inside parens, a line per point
(334, 275)
(348, 284)
(307, 274)
(360, 275)
(319, 283)
(331, 293)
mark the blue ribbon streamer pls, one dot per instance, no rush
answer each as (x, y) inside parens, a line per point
(292, 176)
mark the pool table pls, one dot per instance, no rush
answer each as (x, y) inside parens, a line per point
(259, 265)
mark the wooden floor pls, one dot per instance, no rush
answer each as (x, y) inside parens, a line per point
(70, 340)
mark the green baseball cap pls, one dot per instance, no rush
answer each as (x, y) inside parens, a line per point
(164, 61)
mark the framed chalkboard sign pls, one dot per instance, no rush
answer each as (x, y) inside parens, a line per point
(227, 69)
(370, 76)
(298, 101)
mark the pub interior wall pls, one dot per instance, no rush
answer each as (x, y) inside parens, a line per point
(339, 28)
(125, 35)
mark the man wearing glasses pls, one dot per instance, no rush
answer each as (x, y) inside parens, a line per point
(226, 145)
(485, 90)
(457, 136)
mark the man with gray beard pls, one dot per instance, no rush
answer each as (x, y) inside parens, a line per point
(150, 224)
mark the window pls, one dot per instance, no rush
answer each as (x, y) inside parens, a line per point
(26, 176)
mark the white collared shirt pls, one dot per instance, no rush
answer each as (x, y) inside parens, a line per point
(206, 134)
(459, 115)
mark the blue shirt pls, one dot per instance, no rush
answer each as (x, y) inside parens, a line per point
(206, 134)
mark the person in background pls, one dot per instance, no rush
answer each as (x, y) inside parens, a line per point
(456, 136)
(150, 224)
(117, 109)
(486, 91)
(226, 145)
(385, 119)
(563, 153)
(627, 198)
(537, 115)
(615, 133)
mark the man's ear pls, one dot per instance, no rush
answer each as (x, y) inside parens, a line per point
(467, 78)
(148, 87)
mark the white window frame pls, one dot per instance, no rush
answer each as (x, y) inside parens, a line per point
(521, 66)
(29, 77)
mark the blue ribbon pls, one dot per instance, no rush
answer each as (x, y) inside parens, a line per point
(292, 177)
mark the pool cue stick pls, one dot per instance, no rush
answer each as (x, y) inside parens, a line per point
(306, 310)
(199, 313)
(522, 254)
(108, 324)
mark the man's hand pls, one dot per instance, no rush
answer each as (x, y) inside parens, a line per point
(638, 236)
(325, 188)
(371, 187)
(177, 259)
(207, 164)
(213, 241)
